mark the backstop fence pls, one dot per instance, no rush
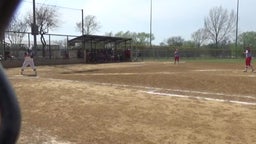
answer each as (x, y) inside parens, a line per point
(56, 48)
(15, 44)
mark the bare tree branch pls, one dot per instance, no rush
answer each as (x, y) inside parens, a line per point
(90, 25)
(220, 25)
(199, 37)
(18, 26)
(46, 19)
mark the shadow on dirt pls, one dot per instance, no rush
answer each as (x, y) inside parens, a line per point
(80, 71)
(29, 75)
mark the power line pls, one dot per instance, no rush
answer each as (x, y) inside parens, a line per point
(53, 5)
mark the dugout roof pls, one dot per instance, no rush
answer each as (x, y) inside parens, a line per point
(97, 39)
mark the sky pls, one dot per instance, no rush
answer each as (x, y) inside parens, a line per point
(169, 17)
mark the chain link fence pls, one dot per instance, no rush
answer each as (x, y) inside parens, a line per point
(50, 46)
(166, 53)
(56, 47)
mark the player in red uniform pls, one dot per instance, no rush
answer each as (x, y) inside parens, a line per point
(176, 56)
(248, 59)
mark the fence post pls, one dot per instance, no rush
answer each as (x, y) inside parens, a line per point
(50, 51)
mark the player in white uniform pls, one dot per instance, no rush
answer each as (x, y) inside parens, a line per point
(28, 61)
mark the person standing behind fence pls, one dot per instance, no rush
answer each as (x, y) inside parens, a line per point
(176, 56)
(28, 61)
(248, 59)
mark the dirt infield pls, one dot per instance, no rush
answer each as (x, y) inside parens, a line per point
(137, 103)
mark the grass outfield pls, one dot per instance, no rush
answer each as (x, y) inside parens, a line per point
(216, 60)
(207, 60)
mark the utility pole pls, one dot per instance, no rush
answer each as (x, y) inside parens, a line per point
(150, 34)
(83, 36)
(237, 13)
(34, 27)
(82, 22)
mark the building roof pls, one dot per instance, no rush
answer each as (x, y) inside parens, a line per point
(97, 38)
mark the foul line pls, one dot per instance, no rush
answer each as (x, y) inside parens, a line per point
(200, 98)
(153, 89)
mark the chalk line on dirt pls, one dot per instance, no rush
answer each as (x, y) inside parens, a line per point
(43, 136)
(200, 98)
(153, 90)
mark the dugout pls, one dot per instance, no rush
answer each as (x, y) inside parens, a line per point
(101, 49)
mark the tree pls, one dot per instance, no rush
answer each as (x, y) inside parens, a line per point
(139, 39)
(90, 25)
(248, 39)
(46, 19)
(188, 44)
(175, 41)
(17, 29)
(143, 38)
(61, 43)
(126, 34)
(220, 25)
(109, 34)
(199, 37)
(162, 44)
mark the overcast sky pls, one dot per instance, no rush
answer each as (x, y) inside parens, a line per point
(169, 17)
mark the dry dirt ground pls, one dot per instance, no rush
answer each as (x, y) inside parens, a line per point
(137, 103)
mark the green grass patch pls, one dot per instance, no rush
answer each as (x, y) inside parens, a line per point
(207, 60)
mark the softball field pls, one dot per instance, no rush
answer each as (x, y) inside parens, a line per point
(137, 103)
